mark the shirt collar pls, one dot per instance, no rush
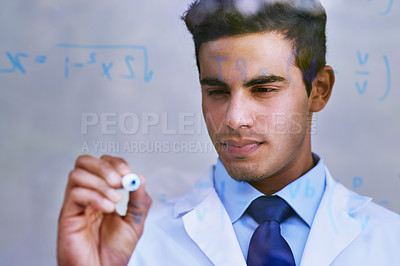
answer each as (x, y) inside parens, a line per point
(303, 195)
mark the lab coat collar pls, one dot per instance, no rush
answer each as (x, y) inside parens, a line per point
(208, 224)
(196, 195)
(335, 225)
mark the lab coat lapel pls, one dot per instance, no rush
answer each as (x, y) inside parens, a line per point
(334, 226)
(209, 226)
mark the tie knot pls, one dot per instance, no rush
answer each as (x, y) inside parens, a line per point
(269, 208)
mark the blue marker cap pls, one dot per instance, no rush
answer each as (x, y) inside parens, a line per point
(131, 182)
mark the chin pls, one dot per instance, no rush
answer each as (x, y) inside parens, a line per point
(244, 172)
(251, 168)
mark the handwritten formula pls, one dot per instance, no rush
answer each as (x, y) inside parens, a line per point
(363, 73)
(100, 59)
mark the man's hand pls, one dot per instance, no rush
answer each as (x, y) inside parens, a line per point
(90, 231)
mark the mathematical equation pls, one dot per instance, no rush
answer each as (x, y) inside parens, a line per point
(106, 67)
(363, 73)
(96, 60)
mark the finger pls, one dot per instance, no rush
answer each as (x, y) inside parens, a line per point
(100, 168)
(80, 198)
(119, 164)
(82, 178)
(138, 206)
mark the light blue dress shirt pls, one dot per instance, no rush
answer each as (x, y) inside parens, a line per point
(303, 195)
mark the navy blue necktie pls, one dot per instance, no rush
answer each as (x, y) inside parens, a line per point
(267, 246)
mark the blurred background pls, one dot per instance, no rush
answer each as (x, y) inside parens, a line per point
(119, 78)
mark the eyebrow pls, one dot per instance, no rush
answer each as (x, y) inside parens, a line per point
(264, 79)
(213, 82)
(259, 80)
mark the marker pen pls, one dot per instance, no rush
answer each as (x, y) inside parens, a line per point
(131, 182)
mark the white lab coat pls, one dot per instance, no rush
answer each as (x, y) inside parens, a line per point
(195, 229)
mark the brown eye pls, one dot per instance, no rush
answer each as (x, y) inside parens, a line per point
(264, 90)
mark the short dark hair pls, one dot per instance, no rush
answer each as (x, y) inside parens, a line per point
(301, 23)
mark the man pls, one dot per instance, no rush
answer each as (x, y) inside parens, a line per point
(263, 74)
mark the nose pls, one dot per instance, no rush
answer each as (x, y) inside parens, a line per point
(239, 113)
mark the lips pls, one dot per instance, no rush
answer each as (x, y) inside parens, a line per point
(240, 148)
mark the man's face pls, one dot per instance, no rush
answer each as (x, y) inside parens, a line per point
(255, 104)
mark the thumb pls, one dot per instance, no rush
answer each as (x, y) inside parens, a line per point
(138, 206)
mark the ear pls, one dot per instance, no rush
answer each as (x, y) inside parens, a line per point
(321, 89)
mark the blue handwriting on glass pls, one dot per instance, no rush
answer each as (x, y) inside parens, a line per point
(388, 8)
(17, 61)
(362, 86)
(107, 66)
(357, 182)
